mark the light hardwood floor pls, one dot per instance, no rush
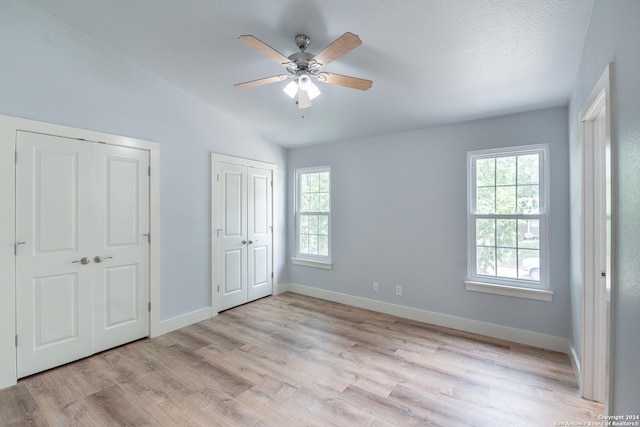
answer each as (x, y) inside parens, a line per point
(292, 360)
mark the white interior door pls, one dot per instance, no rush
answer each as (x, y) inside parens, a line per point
(259, 233)
(121, 256)
(232, 235)
(53, 232)
(82, 280)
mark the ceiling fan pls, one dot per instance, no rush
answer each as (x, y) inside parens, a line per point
(304, 67)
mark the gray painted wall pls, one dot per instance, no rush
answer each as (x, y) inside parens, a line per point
(50, 72)
(614, 36)
(399, 218)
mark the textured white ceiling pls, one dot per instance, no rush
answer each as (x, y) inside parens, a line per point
(431, 61)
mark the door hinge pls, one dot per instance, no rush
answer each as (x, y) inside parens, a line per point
(149, 170)
(218, 177)
(149, 307)
(272, 274)
(16, 341)
(603, 273)
(148, 235)
(218, 288)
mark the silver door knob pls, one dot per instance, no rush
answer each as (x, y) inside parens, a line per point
(98, 259)
(251, 241)
(244, 242)
(83, 261)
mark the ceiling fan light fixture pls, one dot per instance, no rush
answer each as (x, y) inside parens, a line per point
(291, 89)
(313, 91)
(304, 81)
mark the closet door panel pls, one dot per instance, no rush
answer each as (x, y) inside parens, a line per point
(232, 240)
(53, 232)
(259, 232)
(121, 258)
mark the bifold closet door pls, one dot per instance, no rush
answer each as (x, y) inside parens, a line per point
(81, 256)
(244, 234)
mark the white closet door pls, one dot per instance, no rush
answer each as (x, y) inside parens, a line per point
(259, 233)
(232, 235)
(121, 256)
(53, 219)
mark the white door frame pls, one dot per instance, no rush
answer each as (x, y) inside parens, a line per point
(9, 126)
(222, 158)
(597, 237)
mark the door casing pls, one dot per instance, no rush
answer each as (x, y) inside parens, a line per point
(598, 275)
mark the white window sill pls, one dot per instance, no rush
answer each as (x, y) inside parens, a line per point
(512, 291)
(327, 265)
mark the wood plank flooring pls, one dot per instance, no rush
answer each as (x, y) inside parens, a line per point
(291, 360)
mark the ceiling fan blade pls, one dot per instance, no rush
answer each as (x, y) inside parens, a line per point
(260, 82)
(346, 81)
(263, 48)
(339, 47)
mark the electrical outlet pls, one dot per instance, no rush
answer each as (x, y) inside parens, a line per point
(399, 291)
(376, 287)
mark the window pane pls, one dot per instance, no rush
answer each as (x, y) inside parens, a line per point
(506, 233)
(485, 172)
(528, 169)
(323, 245)
(313, 244)
(485, 200)
(323, 225)
(305, 203)
(529, 263)
(507, 262)
(528, 199)
(485, 232)
(324, 205)
(304, 224)
(485, 261)
(506, 170)
(506, 200)
(324, 182)
(529, 233)
(314, 182)
(304, 243)
(314, 202)
(304, 183)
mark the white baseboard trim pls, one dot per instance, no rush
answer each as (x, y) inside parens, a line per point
(196, 316)
(183, 320)
(521, 336)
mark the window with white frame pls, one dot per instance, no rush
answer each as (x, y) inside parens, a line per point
(508, 213)
(313, 215)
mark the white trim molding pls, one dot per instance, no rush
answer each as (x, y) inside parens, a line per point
(185, 320)
(511, 291)
(312, 263)
(520, 336)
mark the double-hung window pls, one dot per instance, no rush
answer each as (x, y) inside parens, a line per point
(508, 214)
(313, 217)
